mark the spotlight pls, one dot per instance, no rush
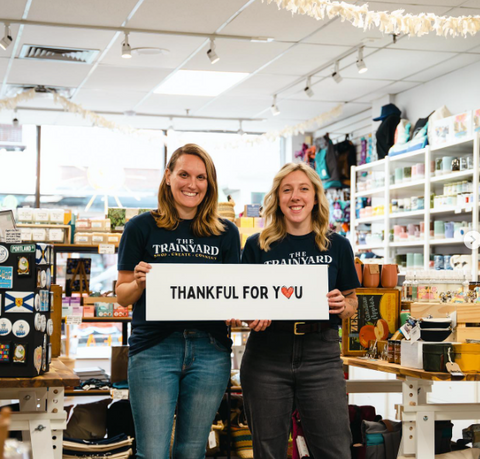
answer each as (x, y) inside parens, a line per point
(336, 74)
(308, 88)
(126, 49)
(15, 122)
(212, 55)
(362, 67)
(274, 108)
(7, 38)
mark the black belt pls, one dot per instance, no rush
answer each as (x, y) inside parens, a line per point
(299, 328)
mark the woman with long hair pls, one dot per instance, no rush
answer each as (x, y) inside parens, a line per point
(291, 365)
(182, 365)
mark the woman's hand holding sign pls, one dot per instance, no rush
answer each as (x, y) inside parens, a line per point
(339, 304)
(140, 274)
(255, 325)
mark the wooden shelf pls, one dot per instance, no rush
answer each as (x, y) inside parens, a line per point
(104, 319)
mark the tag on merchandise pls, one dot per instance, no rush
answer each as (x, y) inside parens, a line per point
(302, 447)
(119, 394)
(374, 269)
(212, 439)
(73, 320)
(13, 236)
(106, 248)
(453, 367)
(415, 333)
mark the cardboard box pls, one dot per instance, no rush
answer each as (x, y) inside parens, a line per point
(120, 311)
(24, 214)
(41, 215)
(113, 238)
(99, 238)
(103, 310)
(57, 216)
(82, 238)
(26, 234)
(377, 317)
(259, 223)
(39, 234)
(82, 224)
(56, 235)
(89, 311)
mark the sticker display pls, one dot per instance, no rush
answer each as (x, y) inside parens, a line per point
(19, 301)
(4, 254)
(44, 353)
(39, 278)
(6, 276)
(44, 296)
(5, 351)
(51, 302)
(41, 254)
(5, 327)
(43, 324)
(37, 358)
(49, 353)
(49, 278)
(19, 353)
(38, 321)
(21, 328)
(49, 327)
(37, 302)
(43, 279)
(23, 267)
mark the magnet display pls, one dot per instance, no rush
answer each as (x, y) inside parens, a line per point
(5, 327)
(5, 352)
(20, 353)
(23, 267)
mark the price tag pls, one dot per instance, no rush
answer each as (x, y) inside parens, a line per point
(212, 441)
(13, 236)
(73, 320)
(119, 394)
(106, 248)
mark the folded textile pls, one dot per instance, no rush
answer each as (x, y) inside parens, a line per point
(103, 441)
(124, 455)
(90, 451)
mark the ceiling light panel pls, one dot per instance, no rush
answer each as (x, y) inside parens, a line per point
(200, 83)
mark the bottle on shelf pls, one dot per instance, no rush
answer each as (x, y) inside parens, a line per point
(407, 288)
(414, 287)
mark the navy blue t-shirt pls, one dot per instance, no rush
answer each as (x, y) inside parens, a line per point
(302, 250)
(143, 240)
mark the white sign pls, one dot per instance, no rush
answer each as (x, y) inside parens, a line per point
(106, 248)
(73, 320)
(13, 236)
(246, 292)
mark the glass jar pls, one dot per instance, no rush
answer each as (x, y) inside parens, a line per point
(407, 288)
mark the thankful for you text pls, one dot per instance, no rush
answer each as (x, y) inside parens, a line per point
(220, 292)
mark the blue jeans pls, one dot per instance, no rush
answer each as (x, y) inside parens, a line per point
(188, 369)
(280, 372)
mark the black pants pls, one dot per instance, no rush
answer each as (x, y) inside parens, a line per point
(281, 371)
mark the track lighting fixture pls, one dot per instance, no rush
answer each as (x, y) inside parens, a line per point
(308, 88)
(274, 108)
(15, 121)
(7, 38)
(336, 74)
(240, 131)
(212, 55)
(126, 49)
(362, 67)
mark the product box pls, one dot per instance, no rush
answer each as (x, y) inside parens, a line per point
(57, 216)
(82, 224)
(245, 222)
(119, 311)
(103, 309)
(26, 234)
(67, 217)
(377, 318)
(476, 120)
(462, 125)
(442, 131)
(41, 215)
(66, 310)
(56, 235)
(89, 311)
(252, 210)
(98, 238)
(412, 354)
(83, 238)
(117, 217)
(113, 238)
(24, 214)
(259, 223)
(39, 234)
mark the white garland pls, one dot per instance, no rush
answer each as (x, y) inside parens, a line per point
(395, 22)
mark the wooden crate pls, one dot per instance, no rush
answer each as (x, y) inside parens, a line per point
(468, 317)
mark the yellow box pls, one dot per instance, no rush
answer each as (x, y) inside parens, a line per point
(245, 222)
(67, 217)
(468, 357)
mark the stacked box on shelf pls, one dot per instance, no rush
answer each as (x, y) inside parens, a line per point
(25, 304)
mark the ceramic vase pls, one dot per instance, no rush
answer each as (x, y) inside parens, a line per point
(389, 276)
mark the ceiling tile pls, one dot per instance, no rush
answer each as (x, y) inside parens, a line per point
(101, 100)
(451, 65)
(267, 20)
(303, 59)
(168, 104)
(237, 56)
(390, 64)
(48, 73)
(185, 15)
(259, 85)
(13, 9)
(394, 88)
(90, 12)
(124, 78)
(233, 107)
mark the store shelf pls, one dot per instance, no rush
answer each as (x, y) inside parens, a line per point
(445, 241)
(104, 319)
(406, 185)
(409, 155)
(452, 176)
(377, 218)
(77, 248)
(407, 244)
(376, 165)
(370, 246)
(411, 213)
(450, 210)
(363, 194)
(464, 146)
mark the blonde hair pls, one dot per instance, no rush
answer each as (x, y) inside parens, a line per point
(275, 227)
(206, 221)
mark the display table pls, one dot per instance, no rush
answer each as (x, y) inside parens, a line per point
(418, 416)
(41, 418)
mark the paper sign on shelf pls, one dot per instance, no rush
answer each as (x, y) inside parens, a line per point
(13, 236)
(247, 292)
(73, 320)
(106, 248)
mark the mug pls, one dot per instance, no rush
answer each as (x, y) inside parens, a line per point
(439, 229)
(389, 276)
(447, 262)
(398, 175)
(438, 166)
(410, 258)
(418, 260)
(407, 173)
(358, 268)
(447, 164)
(370, 279)
(438, 262)
(461, 262)
(449, 230)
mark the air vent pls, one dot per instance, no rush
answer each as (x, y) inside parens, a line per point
(52, 53)
(42, 91)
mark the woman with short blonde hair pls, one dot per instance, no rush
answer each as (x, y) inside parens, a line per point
(296, 364)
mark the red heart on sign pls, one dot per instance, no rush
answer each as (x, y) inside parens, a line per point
(288, 292)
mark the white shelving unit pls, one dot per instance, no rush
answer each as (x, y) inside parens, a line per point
(419, 187)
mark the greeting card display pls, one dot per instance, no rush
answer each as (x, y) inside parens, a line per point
(25, 279)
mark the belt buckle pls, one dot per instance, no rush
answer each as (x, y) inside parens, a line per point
(295, 328)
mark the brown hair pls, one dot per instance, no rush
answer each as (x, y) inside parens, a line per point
(275, 227)
(206, 221)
